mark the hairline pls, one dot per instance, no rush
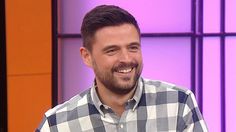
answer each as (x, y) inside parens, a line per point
(92, 37)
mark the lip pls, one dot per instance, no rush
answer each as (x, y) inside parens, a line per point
(124, 71)
(125, 74)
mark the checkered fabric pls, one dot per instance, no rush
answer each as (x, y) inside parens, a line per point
(155, 107)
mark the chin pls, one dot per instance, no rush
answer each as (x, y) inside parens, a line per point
(127, 85)
(123, 89)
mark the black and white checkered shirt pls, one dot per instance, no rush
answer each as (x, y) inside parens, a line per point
(156, 106)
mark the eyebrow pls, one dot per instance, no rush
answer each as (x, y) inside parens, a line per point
(115, 46)
(109, 47)
(134, 43)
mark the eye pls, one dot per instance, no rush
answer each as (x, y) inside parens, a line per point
(111, 52)
(134, 48)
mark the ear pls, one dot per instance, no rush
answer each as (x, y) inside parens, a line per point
(86, 56)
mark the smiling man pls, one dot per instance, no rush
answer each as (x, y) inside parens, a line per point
(120, 100)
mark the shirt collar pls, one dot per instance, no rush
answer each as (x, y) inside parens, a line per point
(98, 104)
(96, 99)
(138, 92)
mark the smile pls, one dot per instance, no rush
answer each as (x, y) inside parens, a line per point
(125, 70)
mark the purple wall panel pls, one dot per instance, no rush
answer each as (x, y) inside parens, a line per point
(152, 16)
(211, 83)
(230, 83)
(211, 16)
(165, 59)
(230, 16)
(75, 75)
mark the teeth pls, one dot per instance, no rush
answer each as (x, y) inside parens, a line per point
(125, 70)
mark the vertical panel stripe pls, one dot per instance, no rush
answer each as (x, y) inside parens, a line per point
(54, 54)
(222, 63)
(200, 54)
(193, 46)
(3, 69)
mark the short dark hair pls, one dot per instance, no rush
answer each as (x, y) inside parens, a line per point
(102, 16)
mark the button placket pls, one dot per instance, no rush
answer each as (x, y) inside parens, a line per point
(121, 126)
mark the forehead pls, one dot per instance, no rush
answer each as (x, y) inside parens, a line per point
(121, 34)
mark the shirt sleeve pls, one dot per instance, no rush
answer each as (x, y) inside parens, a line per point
(44, 126)
(192, 116)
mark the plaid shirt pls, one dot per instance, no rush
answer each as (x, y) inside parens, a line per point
(155, 106)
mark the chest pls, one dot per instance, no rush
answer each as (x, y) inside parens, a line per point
(142, 119)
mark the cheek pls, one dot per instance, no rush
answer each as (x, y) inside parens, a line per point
(104, 63)
(139, 58)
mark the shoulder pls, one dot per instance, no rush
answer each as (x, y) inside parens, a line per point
(166, 90)
(78, 101)
(66, 112)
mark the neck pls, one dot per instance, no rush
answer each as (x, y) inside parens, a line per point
(115, 101)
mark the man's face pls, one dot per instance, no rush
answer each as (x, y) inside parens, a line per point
(116, 57)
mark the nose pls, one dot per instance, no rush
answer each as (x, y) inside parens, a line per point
(125, 56)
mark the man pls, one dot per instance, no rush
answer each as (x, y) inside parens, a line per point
(120, 100)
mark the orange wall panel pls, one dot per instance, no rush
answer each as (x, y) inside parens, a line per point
(29, 42)
(28, 101)
(28, 29)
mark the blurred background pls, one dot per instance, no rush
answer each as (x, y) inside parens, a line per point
(190, 43)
